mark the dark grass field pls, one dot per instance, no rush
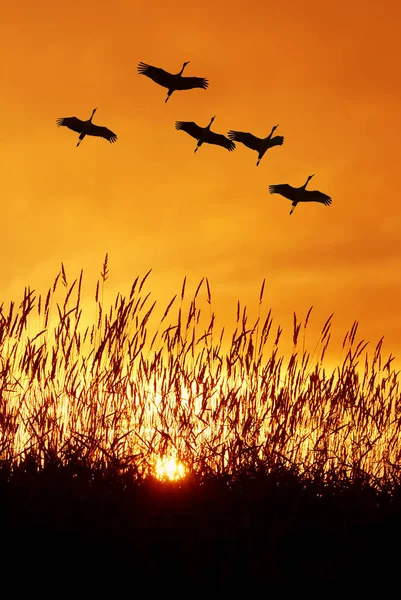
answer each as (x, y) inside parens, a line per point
(217, 531)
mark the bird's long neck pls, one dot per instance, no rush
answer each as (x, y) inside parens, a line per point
(306, 182)
(93, 112)
(210, 124)
(182, 70)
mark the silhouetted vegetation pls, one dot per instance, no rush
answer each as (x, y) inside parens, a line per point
(289, 468)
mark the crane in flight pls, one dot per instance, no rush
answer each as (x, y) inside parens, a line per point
(299, 194)
(86, 128)
(172, 81)
(261, 145)
(204, 135)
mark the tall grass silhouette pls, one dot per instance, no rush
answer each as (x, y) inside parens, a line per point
(112, 394)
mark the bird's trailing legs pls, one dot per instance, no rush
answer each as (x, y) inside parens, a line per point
(293, 207)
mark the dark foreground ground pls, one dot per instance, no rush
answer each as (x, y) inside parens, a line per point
(73, 527)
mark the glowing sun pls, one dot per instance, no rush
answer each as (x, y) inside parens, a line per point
(169, 468)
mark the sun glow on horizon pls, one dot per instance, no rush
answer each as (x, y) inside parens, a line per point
(169, 468)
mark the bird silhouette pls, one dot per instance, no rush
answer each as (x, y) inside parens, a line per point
(299, 194)
(86, 128)
(204, 135)
(255, 143)
(172, 82)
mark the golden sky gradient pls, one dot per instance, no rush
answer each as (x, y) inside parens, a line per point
(327, 72)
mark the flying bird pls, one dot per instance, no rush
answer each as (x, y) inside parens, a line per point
(255, 143)
(172, 81)
(204, 135)
(86, 128)
(300, 194)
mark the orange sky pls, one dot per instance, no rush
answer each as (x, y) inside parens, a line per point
(328, 73)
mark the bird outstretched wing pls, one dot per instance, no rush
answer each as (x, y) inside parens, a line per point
(71, 122)
(277, 140)
(283, 189)
(189, 127)
(189, 83)
(220, 140)
(316, 196)
(100, 131)
(249, 140)
(160, 76)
